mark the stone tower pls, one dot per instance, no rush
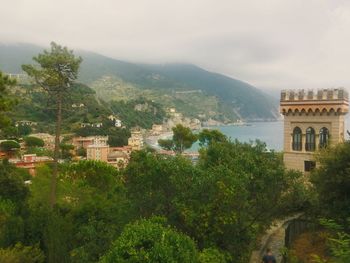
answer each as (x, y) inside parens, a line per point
(312, 120)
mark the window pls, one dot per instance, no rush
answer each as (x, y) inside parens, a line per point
(310, 140)
(297, 143)
(324, 135)
(309, 166)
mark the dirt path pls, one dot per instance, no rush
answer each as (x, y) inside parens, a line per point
(274, 239)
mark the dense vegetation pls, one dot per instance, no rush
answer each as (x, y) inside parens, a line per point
(214, 209)
(148, 114)
(6, 103)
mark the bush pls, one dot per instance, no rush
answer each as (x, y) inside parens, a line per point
(151, 241)
(20, 253)
(33, 142)
(8, 146)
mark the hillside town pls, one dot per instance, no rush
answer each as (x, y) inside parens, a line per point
(96, 147)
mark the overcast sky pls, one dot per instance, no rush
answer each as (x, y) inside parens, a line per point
(268, 43)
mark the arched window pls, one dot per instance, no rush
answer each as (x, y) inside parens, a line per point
(310, 140)
(297, 143)
(324, 135)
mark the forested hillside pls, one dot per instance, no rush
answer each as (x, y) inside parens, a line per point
(81, 106)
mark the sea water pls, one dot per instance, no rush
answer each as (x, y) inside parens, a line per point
(269, 132)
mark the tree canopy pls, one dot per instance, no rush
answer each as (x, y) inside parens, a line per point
(32, 141)
(151, 241)
(8, 146)
(183, 138)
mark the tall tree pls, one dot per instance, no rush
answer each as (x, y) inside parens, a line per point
(5, 102)
(183, 138)
(55, 72)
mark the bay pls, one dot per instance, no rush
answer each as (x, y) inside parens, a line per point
(269, 132)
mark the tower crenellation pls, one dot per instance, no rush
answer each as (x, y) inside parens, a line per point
(325, 100)
(306, 95)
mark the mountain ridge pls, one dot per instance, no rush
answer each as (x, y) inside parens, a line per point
(235, 98)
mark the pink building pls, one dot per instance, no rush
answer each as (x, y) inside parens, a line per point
(97, 152)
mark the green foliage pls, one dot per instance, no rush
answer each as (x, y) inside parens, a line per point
(95, 174)
(212, 255)
(223, 202)
(33, 141)
(81, 152)
(90, 213)
(151, 241)
(119, 137)
(153, 182)
(332, 182)
(300, 197)
(183, 138)
(13, 195)
(58, 68)
(338, 242)
(166, 144)
(6, 103)
(20, 253)
(9, 146)
(206, 137)
(12, 184)
(24, 130)
(148, 114)
(66, 150)
(39, 151)
(95, 193)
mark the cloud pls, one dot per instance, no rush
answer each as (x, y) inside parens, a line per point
(268, 43)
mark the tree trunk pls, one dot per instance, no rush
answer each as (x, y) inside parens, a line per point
(56, 152)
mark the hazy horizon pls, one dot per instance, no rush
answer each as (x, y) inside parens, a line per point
(270, 44)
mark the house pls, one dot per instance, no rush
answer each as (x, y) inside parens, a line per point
(78, 105)
(136, 139)
(85, 124)
(112, 117)
(157, 127)
(125, 149)
(115, 156)
(25, 123)
(30, 162)
(118, 159)
(95, 125)
(118, 123)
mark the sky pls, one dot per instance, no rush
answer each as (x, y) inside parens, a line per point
(271, 44)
